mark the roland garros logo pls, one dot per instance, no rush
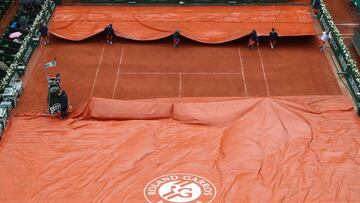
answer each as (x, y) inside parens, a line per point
(180, 188)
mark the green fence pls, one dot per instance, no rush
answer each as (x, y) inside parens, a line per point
(356, 39)
(347, 63)
(357, 4)
(185, 2)
(58, 2)
(27, 47)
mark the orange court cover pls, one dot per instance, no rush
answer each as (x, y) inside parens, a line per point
(208, 24)
(285, 149)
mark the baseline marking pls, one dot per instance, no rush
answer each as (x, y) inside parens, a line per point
(264, 74)
(97, 70)
(180, 85)
(176, 73)
(118, 72)
(242, 72)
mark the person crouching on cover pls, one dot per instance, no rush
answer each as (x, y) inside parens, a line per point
(253, 39)
(176, 38)
(63, 100)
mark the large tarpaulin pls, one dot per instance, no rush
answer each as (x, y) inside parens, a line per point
(208, 24)
(292, 149)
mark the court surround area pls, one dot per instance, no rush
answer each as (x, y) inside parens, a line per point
(261, 125)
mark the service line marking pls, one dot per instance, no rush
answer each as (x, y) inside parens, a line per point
(118, 71)
(97, 70)
(242, 72)
(264, 74)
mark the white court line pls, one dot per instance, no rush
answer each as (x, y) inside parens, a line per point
(118, 71)
(176, 73)
(263, 70)
(348, 24)
(97, 71)
(180, 85)
(242, 72)
(348, 34)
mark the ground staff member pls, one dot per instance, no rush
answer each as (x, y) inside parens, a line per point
(316, 6)
(44, 33)
(273, 38)
(325, 36)
(109, 32)
(176, 38)
(253, 39)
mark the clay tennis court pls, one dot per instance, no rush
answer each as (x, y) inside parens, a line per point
(255, 125)
(131, 69)
(154, 69)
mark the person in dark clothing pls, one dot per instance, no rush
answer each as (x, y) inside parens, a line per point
(38, 3)
(253, 39)
(273, 38)
(2, 74)
(316, 6)
(3, 69)
(63, 100)
(44, 33)
(109, 32)
(22, 23)
(176, 38)
(57, 79)
(27, 7)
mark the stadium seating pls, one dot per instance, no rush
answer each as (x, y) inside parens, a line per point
(8, 48)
